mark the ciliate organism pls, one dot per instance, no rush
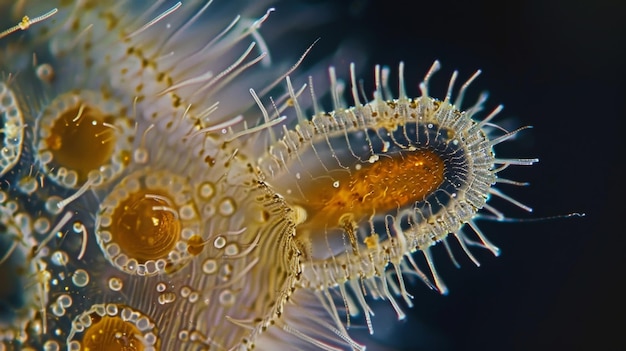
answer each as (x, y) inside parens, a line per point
(168, 184)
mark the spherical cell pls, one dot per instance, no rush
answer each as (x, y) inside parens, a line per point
(84, 136)
(113, 327)
(140, 228)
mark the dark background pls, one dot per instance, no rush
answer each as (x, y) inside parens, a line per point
(556, 65)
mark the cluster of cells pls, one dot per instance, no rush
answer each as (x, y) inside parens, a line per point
(164, 186)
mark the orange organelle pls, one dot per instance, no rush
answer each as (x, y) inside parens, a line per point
(145, 226)
(196, 244)
(111, 334)
(82, 139)
(387, 184)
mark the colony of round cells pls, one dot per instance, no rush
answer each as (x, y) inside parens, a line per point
(151, 199)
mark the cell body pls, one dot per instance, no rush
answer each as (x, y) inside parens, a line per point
(413, 160)
(375, 183)
(144, 206)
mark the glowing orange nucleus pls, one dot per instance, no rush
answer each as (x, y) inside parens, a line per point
(82, 139)
(145, 226)
(111, 334)
(387, 184)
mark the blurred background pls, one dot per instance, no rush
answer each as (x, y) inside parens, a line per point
(557, 65)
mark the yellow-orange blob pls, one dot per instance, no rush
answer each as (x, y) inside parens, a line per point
(387, 184)
(146, 226)
(82, 139)
(111, 334)
(196, 244)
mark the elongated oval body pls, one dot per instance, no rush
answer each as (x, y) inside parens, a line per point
(374, 183)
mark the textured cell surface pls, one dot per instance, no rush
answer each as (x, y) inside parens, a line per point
(164, 186)
(78, 140)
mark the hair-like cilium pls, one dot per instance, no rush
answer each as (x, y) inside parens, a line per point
(165, 185)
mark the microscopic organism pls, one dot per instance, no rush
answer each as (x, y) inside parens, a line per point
(164, 185)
